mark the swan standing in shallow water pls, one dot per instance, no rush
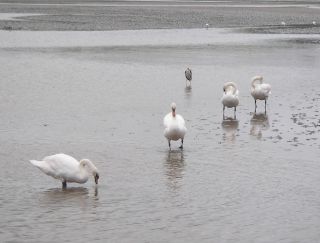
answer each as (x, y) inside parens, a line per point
(260, 91)
(188, 74)
(230, 96)
(174, 124)
(67, 169)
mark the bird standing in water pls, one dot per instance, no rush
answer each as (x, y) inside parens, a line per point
(188, 74)
(175, 128)
(260, 91)
(230, 97)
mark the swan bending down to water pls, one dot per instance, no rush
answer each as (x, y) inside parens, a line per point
(67, 169)
(230, 96)
(174, 124)
(188, 74)
(260, 91)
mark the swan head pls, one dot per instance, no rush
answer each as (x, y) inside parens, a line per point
(173, 108)
(90, 168)
(96, 177)
(256, 79)
(230, 86)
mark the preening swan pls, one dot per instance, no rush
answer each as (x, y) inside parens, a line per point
(260, 91)
(174, 124)
(230, 96)
(67, 169)
(188, 74)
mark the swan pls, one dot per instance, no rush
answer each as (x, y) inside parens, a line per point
(283, 23)
(207, 26)
(230, 96)
(175, 128)
(67, 169)
(188, 74)
(260, 91)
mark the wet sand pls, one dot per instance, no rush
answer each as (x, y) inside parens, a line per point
(253, 16)
(253, 179)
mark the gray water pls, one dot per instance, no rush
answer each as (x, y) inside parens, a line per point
(253, 179)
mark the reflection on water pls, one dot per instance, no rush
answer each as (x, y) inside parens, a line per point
(60, 196)
(175, 167)
(229, 126)
(259, 122)
(188, 90)
(96, 191)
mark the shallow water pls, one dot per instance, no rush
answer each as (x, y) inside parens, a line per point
(253, 179)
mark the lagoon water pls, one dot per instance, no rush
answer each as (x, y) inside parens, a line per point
(102, 95)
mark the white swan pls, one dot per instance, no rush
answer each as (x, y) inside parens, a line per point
(67, 169)
(174, 124)
(188, 74)
(260, 91)
(230, 96)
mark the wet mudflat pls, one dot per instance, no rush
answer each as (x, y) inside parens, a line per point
(253, 178)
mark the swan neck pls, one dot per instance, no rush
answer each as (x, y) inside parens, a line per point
(255, 80)
(88, 166)
(173, 113)
(230, 86)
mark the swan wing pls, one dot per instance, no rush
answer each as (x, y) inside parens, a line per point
(266, 88)
(59, 166)
(180, 121)
(167, 120)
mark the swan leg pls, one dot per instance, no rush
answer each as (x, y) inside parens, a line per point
(64, 184)
(235, 112)
(265, 106)
(255, 106)
(169, 144)
(181, 144)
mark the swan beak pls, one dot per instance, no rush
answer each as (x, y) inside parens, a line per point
(96, 178)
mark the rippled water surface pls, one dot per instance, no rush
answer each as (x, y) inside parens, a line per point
(254, 178)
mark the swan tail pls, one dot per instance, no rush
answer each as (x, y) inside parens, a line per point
(35, 163)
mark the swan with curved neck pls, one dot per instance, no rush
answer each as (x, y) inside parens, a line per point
(230, 97)
(260, 91)
(175, 128)
(188, 74)
(67, 169)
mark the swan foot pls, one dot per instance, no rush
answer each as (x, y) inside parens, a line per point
(255, 106)
(223, 112)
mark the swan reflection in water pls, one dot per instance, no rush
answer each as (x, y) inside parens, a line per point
(175, 167)
(230, 126)
(72, 196)
(259, 122)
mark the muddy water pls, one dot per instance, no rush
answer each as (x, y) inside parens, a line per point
(250, 179)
